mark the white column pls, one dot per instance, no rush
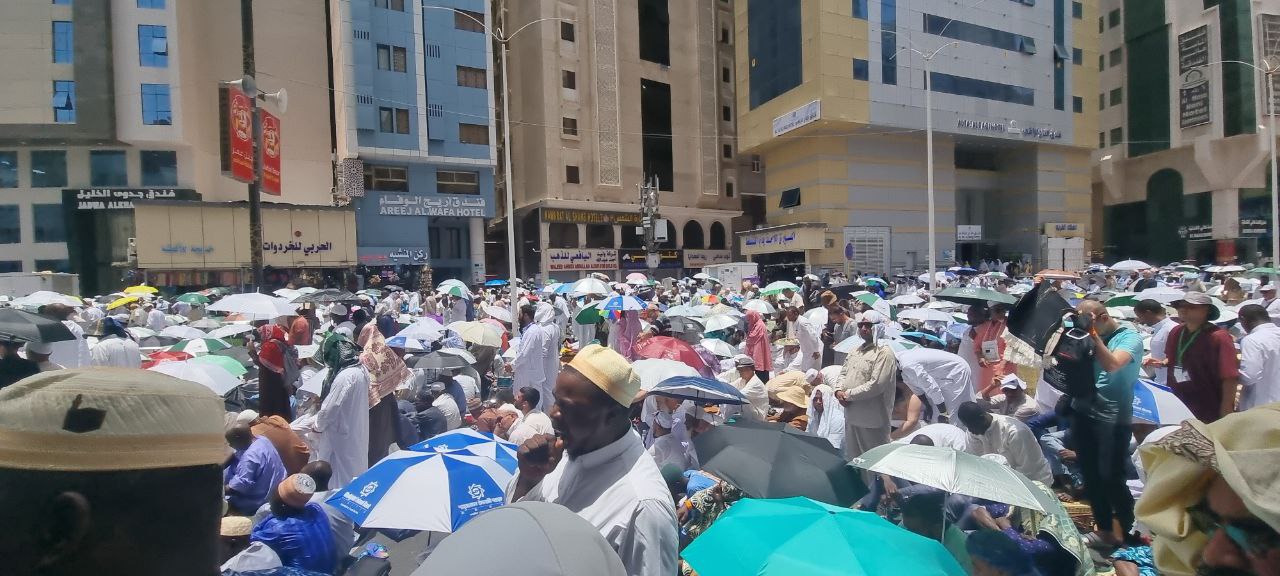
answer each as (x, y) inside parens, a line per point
(475, 226)
(1226, 214)
(544, 233)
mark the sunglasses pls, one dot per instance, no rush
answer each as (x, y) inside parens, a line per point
(1253, 537)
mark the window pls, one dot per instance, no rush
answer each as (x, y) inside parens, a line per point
(1077, 10)
(756, 164)
(473, 134)
(655, 31)
(159, 167)
(153, 46)
(961, 86)
(1117, 96)
(569, 126)
(728, 189)
(1102, 61)
(63, 42)
(725, 75)
(386, 178)
(1102, 24)
(471, 77)
(50, 226)
(976, 34)
(402, 121)
(399, 59)
(64, 101)
(571, 174)
(1102, 140)
(10, 228)
(48, 168)
(393, 120)
(727, 150)
(568, 79)
(384, 57)
(724, 35)
(1115, 57)
(397, 5)
(468, 21)
(107, 168)
(1077, 56)
(8, 169)
(156, 109)
(970, 159)
(774, 49)
(457, 182)
(1117, 136)
(567, 31)
(152, 4)
(1113, 18)
(860, 9)
(657, 154)
(1102, 101)
(790, 198)
(861, 69)
(726, 113)
(62, 265)
(1077, 104)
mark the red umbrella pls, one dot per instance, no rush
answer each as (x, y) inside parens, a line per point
(670, 349)
(162, 356)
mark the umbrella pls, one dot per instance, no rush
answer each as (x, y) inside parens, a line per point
(138, 332)
(1130, 265)
(906, 300)
(685, 311)
(874, 280)
(1263, 271)
(818, 316)
(589, 314)
(231, 365)
(718, 347)
(637, 277)
(424, 329)
(973, 296)
(962, 270)
(620, 303)
(208, 375)
(476, 333)
(800, 536)
(922, 336)
(254, 306)
(183, 332)
(407, 343)
(778, 287)
(590, 286)
(206, 324)
(718, 322)
(1163, 295)
(552, 288)
(925, 315)
(287, 293)
(411, 490)
(761, 306)
(953, 471)
(451, 282)
(454, 290)
(996, 275)
(28, 327)
(701, 276)
(699, 389)
(653, 371)
(767, 460)
(230, 330)
(495, 282)
(1225, 269)
(125, 301)
(1057, 275)
(1157, 405)
(473, 441)
(671, 349)
(200, 346)
(539, 538)
(326, 296)
(141, 289)
(459, 353)
(848, 344)
(440, 361)
(42, 297)
(163, 356)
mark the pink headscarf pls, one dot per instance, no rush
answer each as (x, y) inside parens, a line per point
(758, 342)
(386, 369)
(629, 329)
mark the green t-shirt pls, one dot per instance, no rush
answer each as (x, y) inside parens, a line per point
(1114, 400)
(953, 540)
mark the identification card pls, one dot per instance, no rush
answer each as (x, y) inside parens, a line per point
(991, 351)
(1180, 375)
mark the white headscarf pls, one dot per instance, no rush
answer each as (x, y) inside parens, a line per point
(830, 423)
(544, 314)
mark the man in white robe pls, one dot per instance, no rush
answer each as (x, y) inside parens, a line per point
(943, 378)
(546, 318)
(530, 362)
(339, 431)
(115, 349)
(1008, 437)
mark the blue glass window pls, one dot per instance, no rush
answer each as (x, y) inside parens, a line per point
(153, 4)
(159, 167)
(961, 86)
(11, 266)
(10, 227)
(63, 42)
(8, 169)
(156, 109)
(62, 265)
(775, 48)
(860, 9)
(62, 2)
(107, 168)
(888, 41)
(50, 225)
(861, 69)
(966, 32)
(153, 46)
(64, 101)
(48, 168)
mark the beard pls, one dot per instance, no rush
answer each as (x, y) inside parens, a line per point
(1204, 570)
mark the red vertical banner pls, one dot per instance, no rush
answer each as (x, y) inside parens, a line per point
(236, 133)
(270, 152)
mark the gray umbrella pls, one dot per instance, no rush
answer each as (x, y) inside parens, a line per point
(539, 539)
(325, 296)
(439, 361)
(27, 327)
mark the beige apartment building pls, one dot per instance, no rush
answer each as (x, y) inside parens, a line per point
(612, 93)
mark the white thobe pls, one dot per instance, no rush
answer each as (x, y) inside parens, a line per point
(339, 430)
(116, 352)
(155, 320)
(530, 425)
(757, 407)
(1010, 438)
(449, 407)
(942, 377)
(531, 362)
(1159, 336)
(668, 449)
(810, 337)
(948, 435)
(1260, 366)
(71, 353)
(619, 490)
(967, 352)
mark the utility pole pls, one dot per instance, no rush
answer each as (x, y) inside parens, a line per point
(649, 221)
(255, 196)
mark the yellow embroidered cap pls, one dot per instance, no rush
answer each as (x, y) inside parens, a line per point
(609, 371)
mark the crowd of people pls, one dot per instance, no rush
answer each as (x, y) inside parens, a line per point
(109, 464)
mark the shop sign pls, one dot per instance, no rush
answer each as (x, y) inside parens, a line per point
(1193, 96)
(571, 216)
(295, 246)
(1254, 227)
(807, 114)
(92, 199)
(782, 240)
(183, 249)
(968, 233)
(1196, 232)
(636, 259)
(270, 152)
(581, 259)
(704, 258)
(215, 236)
(1009, 128)
(395, 256)
(432, 205)
(1062, 229)
(235, 131)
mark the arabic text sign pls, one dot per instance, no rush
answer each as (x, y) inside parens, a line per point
(637, 259)
(296, 246)
(92, 199)
(432, 205)
(968, 232)
(183, 249)
(393, 256)
(783, 240)
(570, 216)
(581, 259)
(807, 114)
(703, 258)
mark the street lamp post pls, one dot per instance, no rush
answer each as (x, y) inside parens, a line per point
(504, 41)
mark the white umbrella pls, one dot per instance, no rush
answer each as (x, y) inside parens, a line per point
(477, 333)
(451, 282)
(255, 306)
(952, 471)
(942, 305)
(655, 370)
(463, 354)
(183, 332)
(818, 315)
(761, 306)
(230, 330)
(701, 276)
(906, 300)
(1227, 269)
(140, 332)
(1163, 295)
(590, 286)
(499, 314)
(423, 329)
(925, 315)
(719, 347)
(211, 376)
(42, 297)
(637, 277)
(287, 293)
(719, 322)
(1130, 265)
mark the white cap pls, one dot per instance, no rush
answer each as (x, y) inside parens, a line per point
(246, 417)
(810, 375)
(1012, 381)
(663, 419)
(871, 317)
(1267, 288)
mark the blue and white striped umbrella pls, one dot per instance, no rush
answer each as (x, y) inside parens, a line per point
(411, 490)
(699, 389)
(1157, 404)
(618, 303)
(478, 443)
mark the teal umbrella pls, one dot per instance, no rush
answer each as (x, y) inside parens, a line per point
(801, 536)
(1262, 271)
(778, 287)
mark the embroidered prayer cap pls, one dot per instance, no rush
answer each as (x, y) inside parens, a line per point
(609, 371)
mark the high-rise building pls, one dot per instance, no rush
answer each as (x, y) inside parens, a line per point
(606, 95)
(832, 96)
(1182, 161)
(107, 101)
(415, 143)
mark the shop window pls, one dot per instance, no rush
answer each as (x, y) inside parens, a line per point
(790, 198)
(457, 182)
(159, 167)
(48, 168)
(49, 223)
(971, 159)
(386, 178)
(108, 168)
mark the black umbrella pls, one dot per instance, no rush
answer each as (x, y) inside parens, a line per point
(440, 361)
(27, 327)
(767, 460)
(325, 296)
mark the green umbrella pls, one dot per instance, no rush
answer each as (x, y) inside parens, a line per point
(225, 362)
(1123, 299)
(194, 298)
(778, 287)
(453, 290)
(973, 296)
(200, 346)
(590, 314)
(1262, 271)
(800, 536)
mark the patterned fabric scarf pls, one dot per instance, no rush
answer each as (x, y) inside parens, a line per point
(338, 352)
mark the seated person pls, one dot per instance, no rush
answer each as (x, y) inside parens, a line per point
(668, 448)
(794, 404)
(1013, 401)
(923, 514)
(994, 554)
(1007, 436)
(253, 469)
(297, 530)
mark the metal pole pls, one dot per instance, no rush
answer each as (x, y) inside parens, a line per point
(511, 222)
(1275, 196)
(928, 135)
(251, 89)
